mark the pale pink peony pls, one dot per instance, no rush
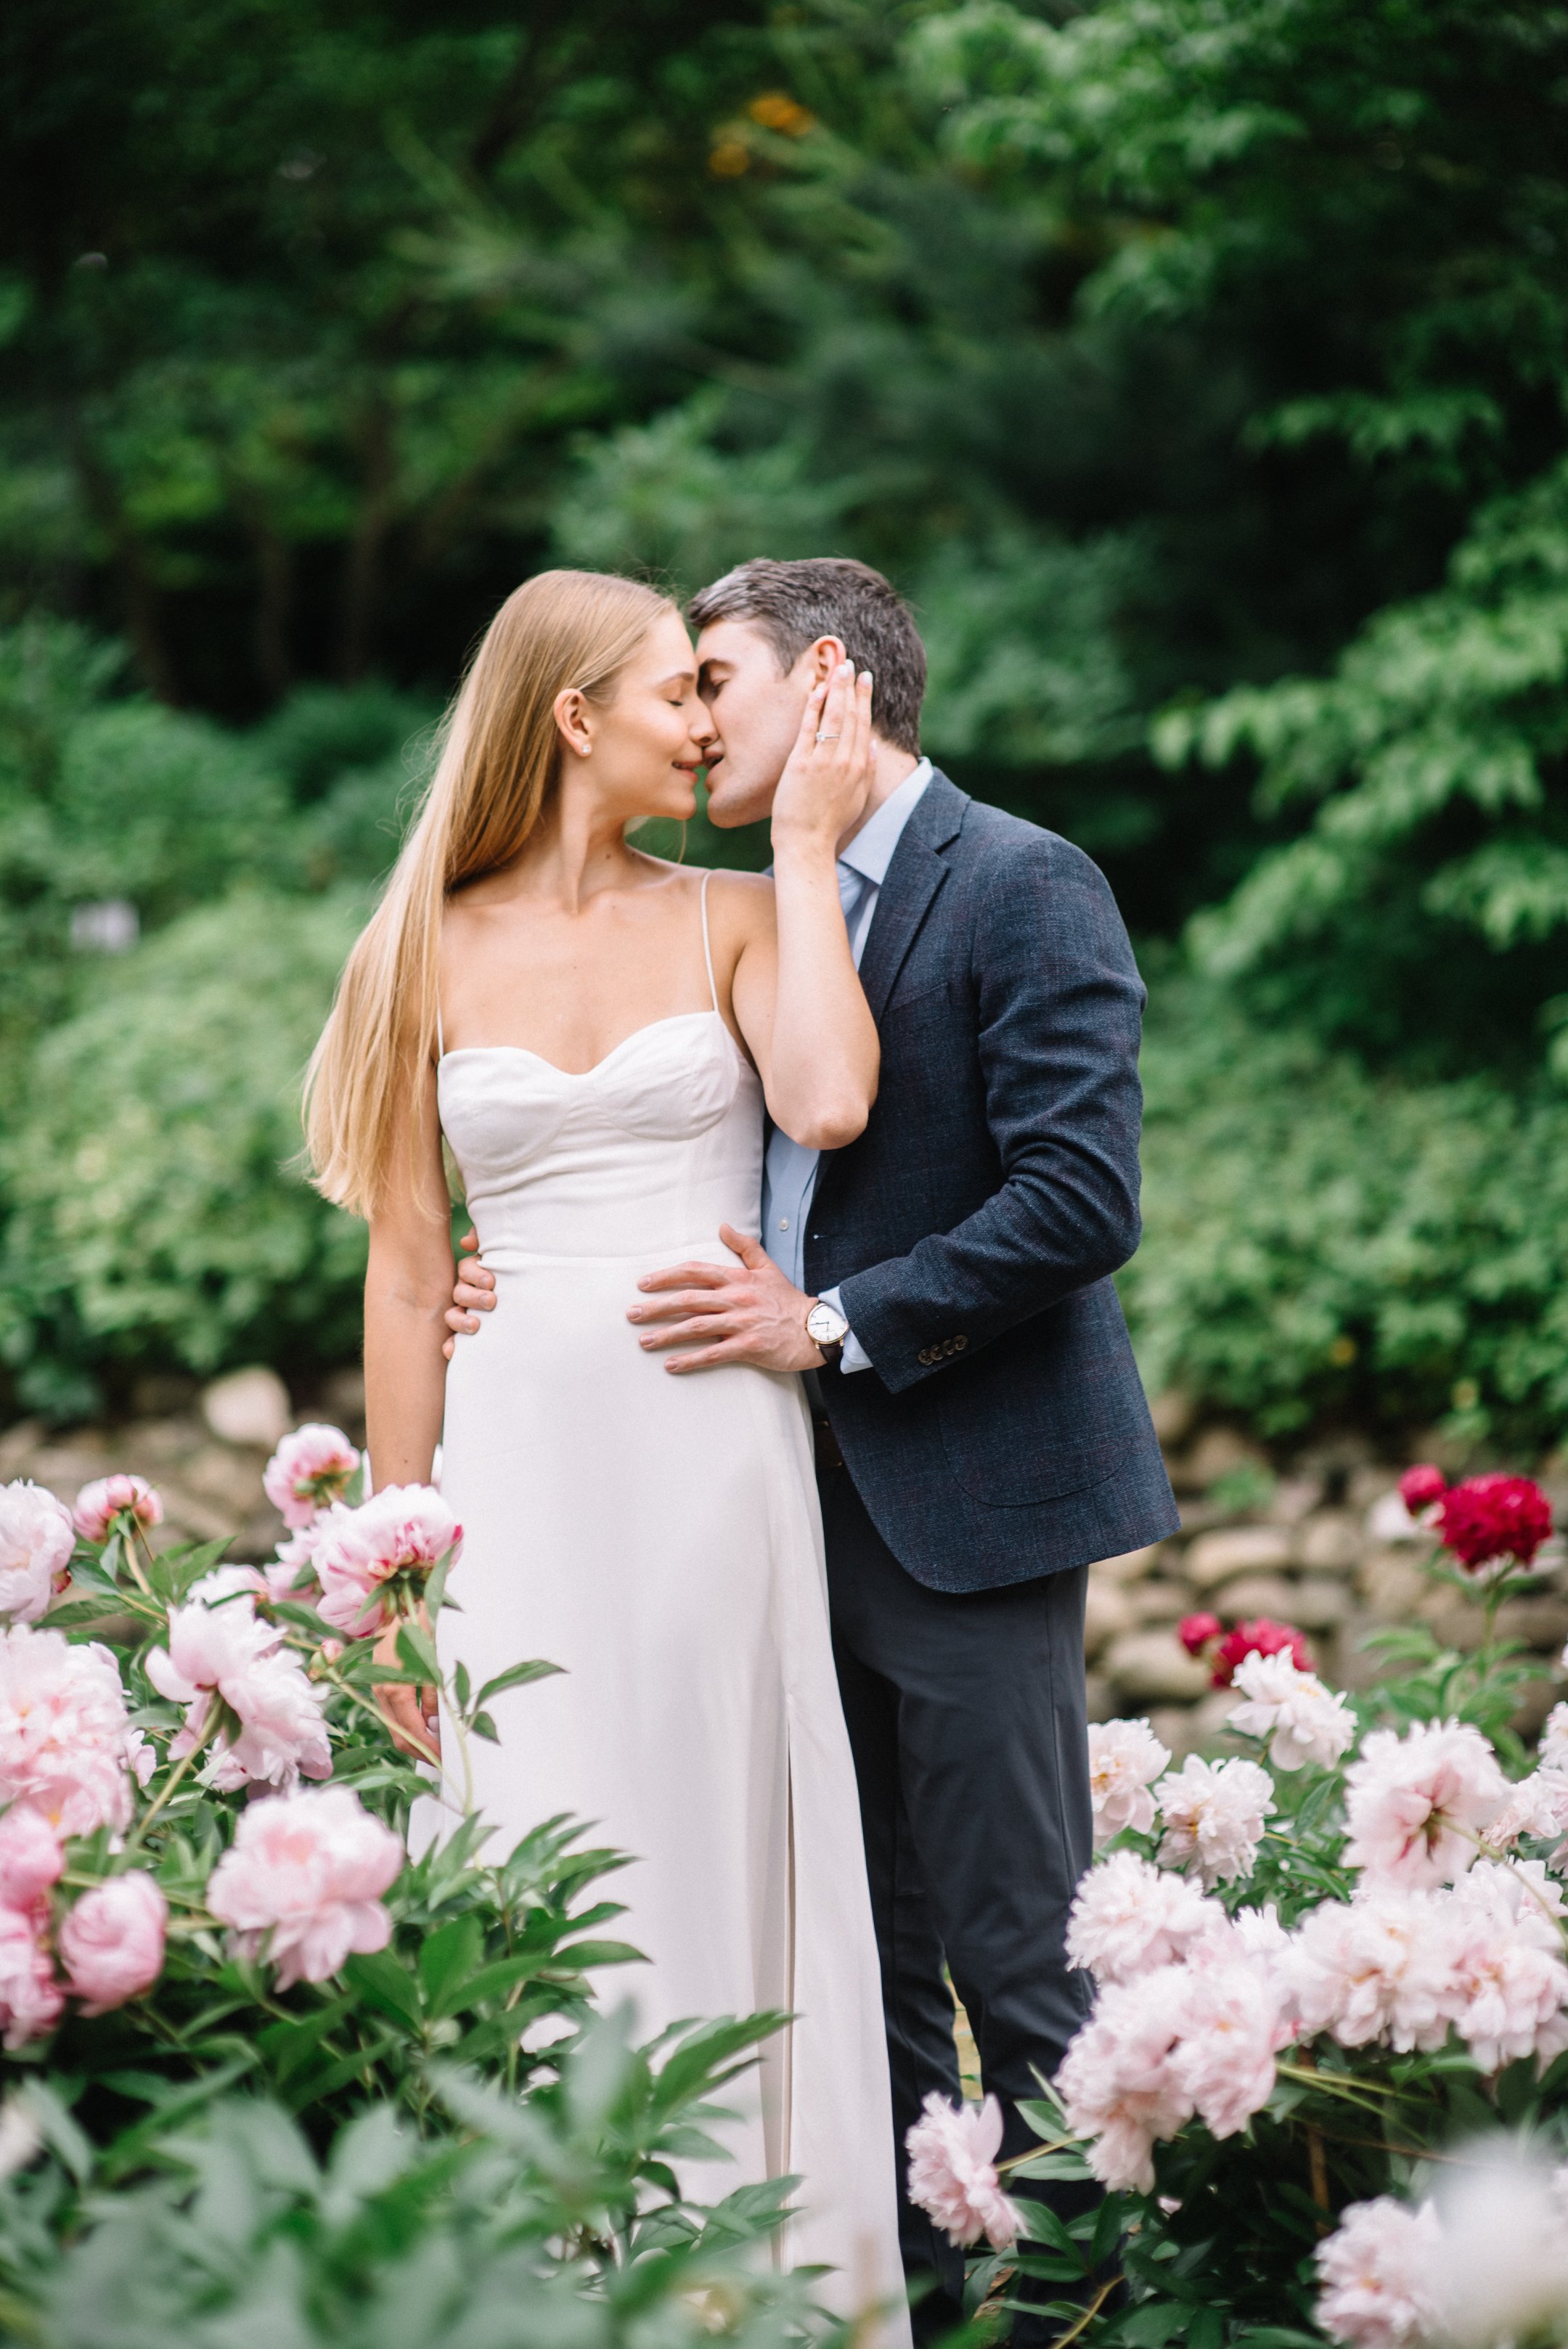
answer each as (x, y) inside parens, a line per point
(1415, 1805)
(99, 1505)
(226, 1582)
(1377, 2269)
(1214, 1814)
(1302, 1720)
(1118, 2083)
(1124, 1758)
(1230, 2036)
(31, 1859)
(112, 1944)
(1508, 1988)
(1553, 1750)
(36, 1539)
(30, 1998)
(357, 1551)
(302, 1882)
(1537, 1805)
(226, 1652)
(952, 2172)
(1376, 1968)
(63, 1731)
(291, 1572)
(1128, 1918)
(309, 1469)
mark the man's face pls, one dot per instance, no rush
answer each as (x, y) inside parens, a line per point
(756, 709)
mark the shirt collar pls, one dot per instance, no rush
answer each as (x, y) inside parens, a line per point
(871, 851)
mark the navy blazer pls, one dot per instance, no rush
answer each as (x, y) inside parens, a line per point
(974, 1228)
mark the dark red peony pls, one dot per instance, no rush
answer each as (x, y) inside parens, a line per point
(1259, 1638)
(1419, 1487)
(1494, 1517)
(1195, 1632)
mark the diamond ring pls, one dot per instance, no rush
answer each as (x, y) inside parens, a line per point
(827, 738)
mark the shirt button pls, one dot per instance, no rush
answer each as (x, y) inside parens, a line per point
(783, 1223)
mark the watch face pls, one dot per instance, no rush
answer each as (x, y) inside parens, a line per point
(825, 1325)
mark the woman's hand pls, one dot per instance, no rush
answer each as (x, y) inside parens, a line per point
(411, 1714)
(822, 792)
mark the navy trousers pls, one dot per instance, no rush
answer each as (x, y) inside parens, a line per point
(966, 1714)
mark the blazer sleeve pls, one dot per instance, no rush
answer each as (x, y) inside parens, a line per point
(1060, 1021)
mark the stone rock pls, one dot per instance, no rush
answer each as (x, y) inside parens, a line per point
(1130, 1567)
(1259, 1594)
(1221, 1556)
(1102, 1704)
(1294, 1498)
(1174, 1415)
(1388, 1520)
(1152, 1667)
(1159, 1601)
(249, 1406)
(1193, 1729)
(1330, 1542)
(1219, 1451)
(1541, 1621)
(224, 1478)
(162, 1393)
(1318, 1604)
(1392, 1584)
(17, 1446)
(1107, 1614)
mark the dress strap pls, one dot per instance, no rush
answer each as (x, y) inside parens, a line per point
(441, 1041)
(707, 946)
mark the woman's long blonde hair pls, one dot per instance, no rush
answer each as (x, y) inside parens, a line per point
(499, 750)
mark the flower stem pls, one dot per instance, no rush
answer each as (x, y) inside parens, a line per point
(180, 1770)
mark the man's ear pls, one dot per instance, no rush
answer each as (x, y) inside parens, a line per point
(823, 657)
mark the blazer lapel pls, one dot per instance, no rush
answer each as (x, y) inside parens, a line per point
(913, 880)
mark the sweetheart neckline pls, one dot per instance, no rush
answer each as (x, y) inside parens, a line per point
(577, 1076)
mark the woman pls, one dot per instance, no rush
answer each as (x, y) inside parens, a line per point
(594, 1033)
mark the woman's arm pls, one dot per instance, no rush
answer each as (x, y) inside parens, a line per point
(407, 1284)
(796, 994)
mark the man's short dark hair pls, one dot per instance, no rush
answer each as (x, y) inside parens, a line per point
(792, 604)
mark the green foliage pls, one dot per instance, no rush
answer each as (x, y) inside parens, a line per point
(1320, 1243)
(154, 1215)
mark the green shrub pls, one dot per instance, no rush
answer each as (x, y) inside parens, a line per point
(156, 1217)
(1322, 1243)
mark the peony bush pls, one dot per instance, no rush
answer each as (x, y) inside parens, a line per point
(213, 1938)
(1332, 2002)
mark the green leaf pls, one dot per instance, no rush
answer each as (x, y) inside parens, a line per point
(415, 1650)
(447, 1957)
(516, 1676)
(460, 1684)
(482, 1726)
(386, 1983)
(1153, 2325)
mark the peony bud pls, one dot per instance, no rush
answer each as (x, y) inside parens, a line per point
(1195, 1632)
(1421, 1487)
(112, 1944)
(100, 1506)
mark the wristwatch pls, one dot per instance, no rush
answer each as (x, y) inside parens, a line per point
(826, 1328)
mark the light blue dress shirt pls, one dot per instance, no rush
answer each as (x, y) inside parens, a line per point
(789, 1171)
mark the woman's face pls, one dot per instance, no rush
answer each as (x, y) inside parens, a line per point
(647, 743)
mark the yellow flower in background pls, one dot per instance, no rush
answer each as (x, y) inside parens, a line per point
(776, 110)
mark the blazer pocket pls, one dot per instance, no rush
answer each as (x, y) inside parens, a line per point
(1030, 1421)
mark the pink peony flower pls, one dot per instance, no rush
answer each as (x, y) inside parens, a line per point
(302, 1882)
(1124, 1757)
(116, 1500)
(1261, 1637)
(1419, 1487)
(1508, 1986)
(226, 1652)
(1494, 1518)
(1214, 1814)
(1230, 2033)
(1376, 1968)
(1537, 1805)
(403, 1529)
(36, 1539)
(1128, 1917)
(291, 1573)
(309, 1469)
(1117, 2082)
(1415, 1805)
(1377, 2269)
(1553, 1749)
(952, 2172)
(63, 1731)
(112, 1944)
(1302, 1720)
(31, 1859)
(1195, 1632)
(30, 1998)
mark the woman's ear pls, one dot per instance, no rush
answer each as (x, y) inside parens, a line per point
(570, 710)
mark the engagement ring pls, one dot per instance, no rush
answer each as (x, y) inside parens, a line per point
(827, 738)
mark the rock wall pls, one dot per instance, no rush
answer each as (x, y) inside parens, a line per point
(1321, 1541)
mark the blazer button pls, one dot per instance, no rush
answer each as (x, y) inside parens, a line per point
(924, 1356)
(959, 1345)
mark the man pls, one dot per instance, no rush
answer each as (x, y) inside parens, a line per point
(982, 1434)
